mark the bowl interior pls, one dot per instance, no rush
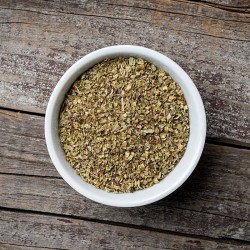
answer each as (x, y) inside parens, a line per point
(182, 170)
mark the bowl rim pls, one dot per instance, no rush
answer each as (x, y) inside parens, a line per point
(95, 57)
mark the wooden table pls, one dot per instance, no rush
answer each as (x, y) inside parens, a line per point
(39, 40)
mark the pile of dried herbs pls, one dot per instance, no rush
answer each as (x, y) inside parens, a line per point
(124, 125)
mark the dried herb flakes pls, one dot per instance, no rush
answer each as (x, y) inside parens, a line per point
(124, 125)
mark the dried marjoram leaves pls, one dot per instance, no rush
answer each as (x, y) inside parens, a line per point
(124, 125)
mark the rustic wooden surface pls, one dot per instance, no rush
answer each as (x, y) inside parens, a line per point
(39, 40)
(33, 229)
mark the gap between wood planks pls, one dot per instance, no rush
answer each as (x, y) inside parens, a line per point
(7, 246)
(238, 9)
(226, 240)
(178, 13)
(209, 140)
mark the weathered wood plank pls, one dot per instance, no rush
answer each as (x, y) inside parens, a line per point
(211, 44)
(200, 9)
(23, 149)
(176, 213)
(34, 230)
(18, 247)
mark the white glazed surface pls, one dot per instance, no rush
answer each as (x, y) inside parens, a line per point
(182, 170)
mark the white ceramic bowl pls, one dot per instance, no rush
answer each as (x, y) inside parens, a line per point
(182, 170)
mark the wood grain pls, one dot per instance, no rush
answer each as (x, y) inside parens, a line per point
(191, 214)
(24, 229)
(216, 196)
(23, 149)
(209, 42)
(39, 40)
(18, 247)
